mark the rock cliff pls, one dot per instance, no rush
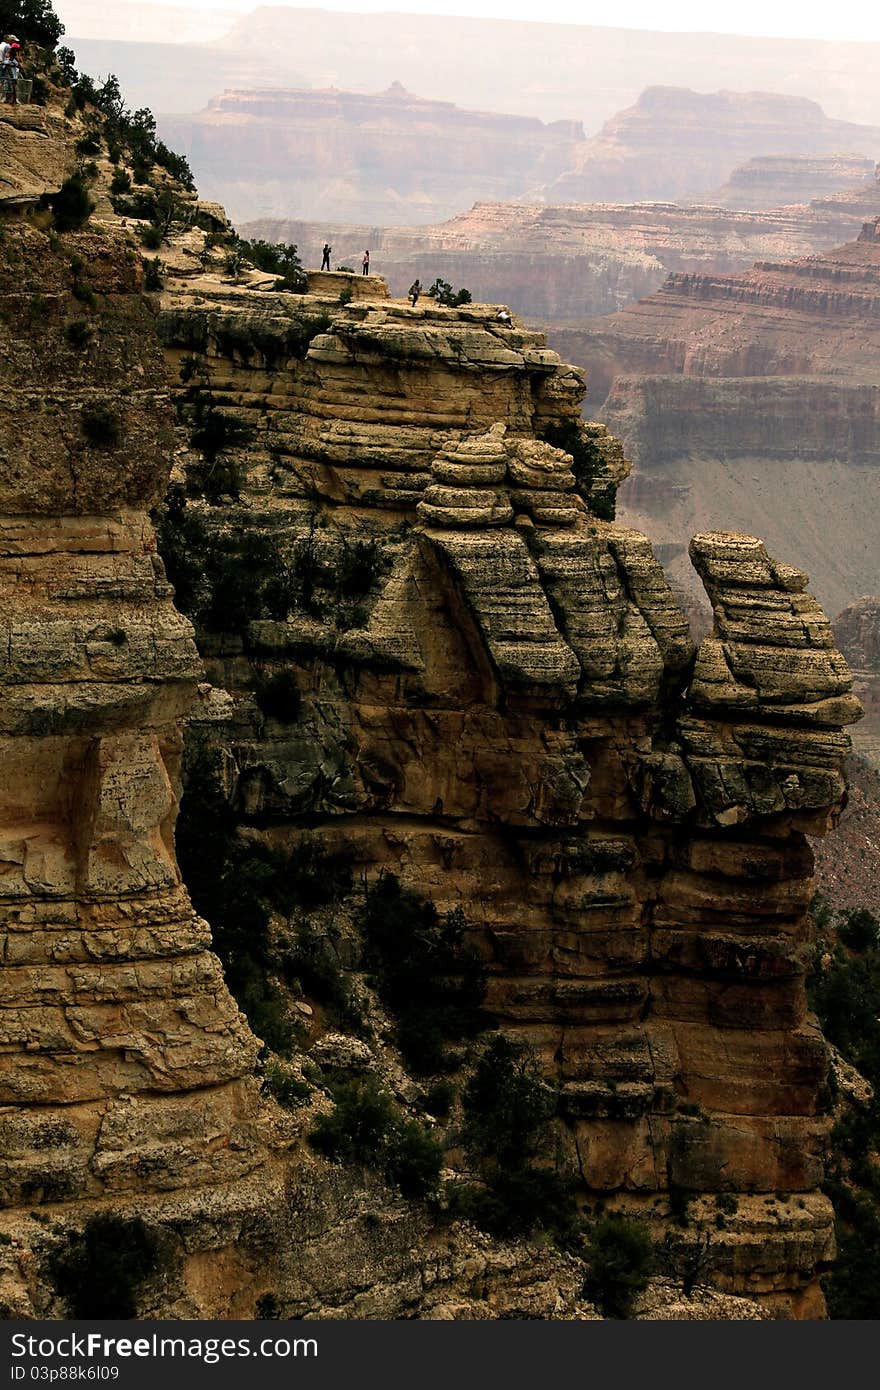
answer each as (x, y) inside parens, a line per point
(857, 632)
(490, 693)
(500, 724)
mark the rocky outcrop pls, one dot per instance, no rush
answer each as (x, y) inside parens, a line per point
(515, 723)
(384, 157)
(30, 164)
(125, 1066)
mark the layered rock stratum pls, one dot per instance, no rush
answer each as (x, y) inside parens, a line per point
(772, 181)
(385, 157)
(512, 718)
(675, 142)
(393, 157)
(752, 396)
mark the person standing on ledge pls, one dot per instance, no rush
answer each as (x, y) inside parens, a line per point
(325, 256)
(366, 263)
(415, 290)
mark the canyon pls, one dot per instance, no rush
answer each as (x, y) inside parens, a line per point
(549, 71)
(752, 396)
(393, 157)
(388, 156)
(504, 709)
(561, 265)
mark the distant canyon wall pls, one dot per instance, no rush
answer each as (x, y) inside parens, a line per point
(393, 157)
(559, 265)
(753, 395)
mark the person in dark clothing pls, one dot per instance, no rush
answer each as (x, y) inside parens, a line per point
(366, 263)
(415, 290)
(325, 256)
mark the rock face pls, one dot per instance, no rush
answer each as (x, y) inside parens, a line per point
(392, 157)
(674, 142)
(752, 396)
(515, 722)
(125, 1066)
(384, 157)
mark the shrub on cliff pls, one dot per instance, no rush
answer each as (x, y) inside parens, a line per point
(859, 929)
(442, 291)
(507, 1110)
(237, 884)
(507, 1107)
(621, 1259)
(365, 1127)
(71, 206)
(426, 975)
(586, 462)
(276, 258)
(100, 1272)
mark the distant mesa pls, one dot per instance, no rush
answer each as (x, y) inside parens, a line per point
(675, 143)
(385, 156)
(392, 157)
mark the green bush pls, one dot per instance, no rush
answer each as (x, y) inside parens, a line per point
(859, 929)
(278, 696)
(153, 275)
(79, 333)
(507, 1107)
(621, 1259)
(101, 424)
(289, 1091)
(365, 1127)
(276, 258)
(414, 1159)
(88, 144)
(183, 543)
(426, 975)
(71, 205)
(120, 182)
(100, 1272)
(213, 432)
(846, 996)
(442, 291)
(852, 1289)
(440, 1098)
(151, 236)
(237, 884)
(586, 456)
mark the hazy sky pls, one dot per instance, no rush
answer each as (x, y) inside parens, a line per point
(847, 19)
